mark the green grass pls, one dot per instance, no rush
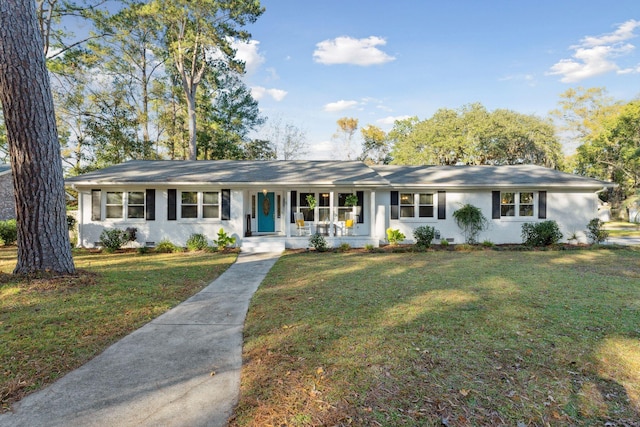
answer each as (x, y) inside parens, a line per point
(445, 338)
(622, 229)
(50, 326)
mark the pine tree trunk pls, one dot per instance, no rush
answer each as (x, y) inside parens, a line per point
(43, 237)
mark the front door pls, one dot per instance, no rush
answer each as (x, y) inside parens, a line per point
(266, 213)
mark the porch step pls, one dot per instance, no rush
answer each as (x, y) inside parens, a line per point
(263, 244)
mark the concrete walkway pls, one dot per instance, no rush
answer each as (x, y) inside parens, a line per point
(181, 369)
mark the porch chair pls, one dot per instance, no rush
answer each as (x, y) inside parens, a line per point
(303, 229)
(349, 223)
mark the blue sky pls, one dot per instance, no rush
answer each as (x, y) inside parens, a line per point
(311, 62)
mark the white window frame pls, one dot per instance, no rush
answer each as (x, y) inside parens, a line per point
(199, 205)
(518, 204)
(415, 196)
(124, 206)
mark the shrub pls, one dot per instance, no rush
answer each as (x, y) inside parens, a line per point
(488, 244)
(444, 242)
(197, 242)
(130, 234)
(369, 247)
(394, 236)
(71, 222)
(344, 247)
(112, 239)
(9, 231)
(471, 221)
(318, 242)
(596, 232)
(543, 233)
(424, 235)
(224, 240)
(164, 246)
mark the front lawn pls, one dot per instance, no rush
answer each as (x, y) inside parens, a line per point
(445, 339)
(51, 326)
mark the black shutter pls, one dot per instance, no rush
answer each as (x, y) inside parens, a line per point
(360, 196)
(442, 205)
(395, 210)
(226, 204)
(294, 205)
(151, 205)
(96, 207)
(495, 206)
(171, 204)
(542, 204)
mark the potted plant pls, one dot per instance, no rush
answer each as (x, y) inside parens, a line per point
(351, 200)
(311, 206)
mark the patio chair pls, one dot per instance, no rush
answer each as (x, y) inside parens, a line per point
(349, 223)
(303, 229)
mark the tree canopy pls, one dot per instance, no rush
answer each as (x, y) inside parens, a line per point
(472, 135)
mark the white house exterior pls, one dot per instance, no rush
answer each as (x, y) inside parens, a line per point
(255, 201)
(7, 200)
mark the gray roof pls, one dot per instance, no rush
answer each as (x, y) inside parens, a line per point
(230, 172)
(484, 176)
(322, 173)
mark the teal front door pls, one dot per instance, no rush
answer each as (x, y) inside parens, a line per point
(266, 210)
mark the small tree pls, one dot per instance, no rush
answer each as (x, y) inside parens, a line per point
(596, 232)
(471, 221)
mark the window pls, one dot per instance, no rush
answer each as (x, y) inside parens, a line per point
(130, 203)
(342, 208)
(135, 204)
(189, 204)
(210, 204)
(422, 203)
(520, 203)
(279, 206)
(407, 208)
(199, 204)
(304, 206)
(425, 205)
(114, 204)
(324, 211)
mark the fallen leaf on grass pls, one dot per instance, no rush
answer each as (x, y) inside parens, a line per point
(464, 391)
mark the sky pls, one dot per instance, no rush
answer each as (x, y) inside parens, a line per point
(310, 63)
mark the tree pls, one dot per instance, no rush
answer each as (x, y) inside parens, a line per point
(287, 140)
(198, 36)
(581, 113)
(375, 148)
(474, 136)
(27, 103)
(614, 152)
(347, 127)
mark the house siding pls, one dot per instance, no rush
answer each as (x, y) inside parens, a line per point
(571, 210)
(7, 200)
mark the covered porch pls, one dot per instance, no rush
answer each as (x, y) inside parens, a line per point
(342, 215)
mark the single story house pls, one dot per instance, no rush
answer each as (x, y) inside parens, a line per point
(7, 200)
(259, 202)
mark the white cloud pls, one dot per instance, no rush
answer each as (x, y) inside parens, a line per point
(390, 120)
(341, 105)
(259, 92)
(248, 52)
(595, 55)
(322, 150)
(347, 50)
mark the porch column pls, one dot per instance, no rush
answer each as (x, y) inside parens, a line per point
(332, 231)
(287, 215)
(372, 214)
